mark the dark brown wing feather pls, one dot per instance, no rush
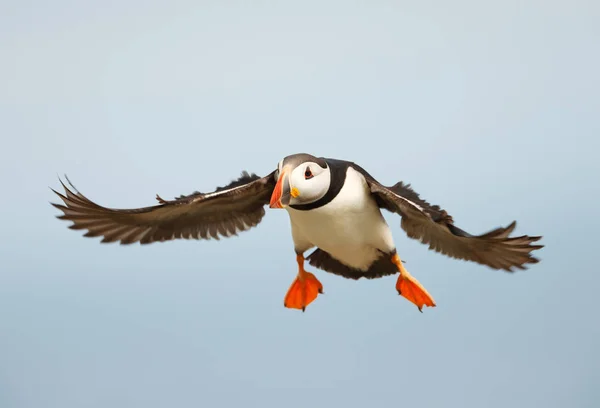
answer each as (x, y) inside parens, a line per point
(433, 226)
(236, 207)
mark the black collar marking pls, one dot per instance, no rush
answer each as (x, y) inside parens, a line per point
(337, 172)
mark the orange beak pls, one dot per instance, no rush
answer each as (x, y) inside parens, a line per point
(278, 192)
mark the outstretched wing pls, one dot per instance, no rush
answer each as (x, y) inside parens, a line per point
(236, 207)
(433, 226)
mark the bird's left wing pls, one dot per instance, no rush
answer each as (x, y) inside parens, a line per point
(434, 226)
(238, 206)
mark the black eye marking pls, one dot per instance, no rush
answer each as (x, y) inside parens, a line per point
(308, 174)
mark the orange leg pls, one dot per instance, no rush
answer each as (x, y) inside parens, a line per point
(304, 289)
(410, 288)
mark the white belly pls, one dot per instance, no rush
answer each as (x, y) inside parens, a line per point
(351, 227)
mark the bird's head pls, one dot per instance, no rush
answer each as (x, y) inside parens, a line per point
(301, 179)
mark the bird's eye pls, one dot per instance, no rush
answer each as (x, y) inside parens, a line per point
(308, 174)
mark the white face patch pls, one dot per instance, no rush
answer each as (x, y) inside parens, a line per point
(310, 181)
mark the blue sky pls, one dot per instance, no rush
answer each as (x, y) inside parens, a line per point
(490, 110)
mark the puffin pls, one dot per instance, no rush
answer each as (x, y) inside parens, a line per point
(334, 206)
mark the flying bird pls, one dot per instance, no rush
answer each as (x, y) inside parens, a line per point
(333, 206)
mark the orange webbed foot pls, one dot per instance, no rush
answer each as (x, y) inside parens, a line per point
(305, 288)
(411, 289)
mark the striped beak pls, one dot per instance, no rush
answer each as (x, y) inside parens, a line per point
(281, 194)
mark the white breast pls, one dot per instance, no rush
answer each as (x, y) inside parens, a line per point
(350, 227)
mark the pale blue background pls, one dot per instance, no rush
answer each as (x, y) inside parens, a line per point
(490, 109)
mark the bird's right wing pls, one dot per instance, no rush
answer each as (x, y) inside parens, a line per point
(238, 206)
